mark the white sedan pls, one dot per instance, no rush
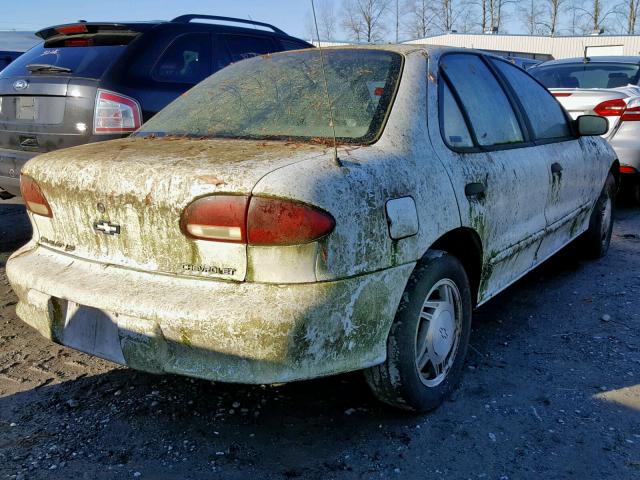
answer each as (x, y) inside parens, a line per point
(227, 240)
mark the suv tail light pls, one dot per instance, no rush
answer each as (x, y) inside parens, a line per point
(254, 221)
(628, 170)
(115, 113)
(33, 197)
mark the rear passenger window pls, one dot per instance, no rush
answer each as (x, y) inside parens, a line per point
(245, 46)
(544, 112)
(186, 60)
(454, 127)
(492, 117)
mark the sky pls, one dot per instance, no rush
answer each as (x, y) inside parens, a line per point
(289, 15)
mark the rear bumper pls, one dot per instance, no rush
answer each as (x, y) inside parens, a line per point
(628, 152)
(11, 162)
(225, 331)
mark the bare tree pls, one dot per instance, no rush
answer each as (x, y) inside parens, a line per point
(498, 12)
(553, 9)
(629, 11)
(532, 13)
(364, 19)
(420, 17)
(596, 16)
(327, 20)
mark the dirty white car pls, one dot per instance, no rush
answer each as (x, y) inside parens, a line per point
(225, 241)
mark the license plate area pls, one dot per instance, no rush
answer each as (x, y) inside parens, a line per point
(92, 331)
(27, 108)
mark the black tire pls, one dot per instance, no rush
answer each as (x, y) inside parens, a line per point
(397, 381)
(596, 240)
(632, 193)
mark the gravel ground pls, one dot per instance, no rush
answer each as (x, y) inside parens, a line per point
(551, 390)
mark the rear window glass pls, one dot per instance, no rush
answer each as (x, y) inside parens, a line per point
(90, 62)
(587, 75)
(242, 47)
(186, 60)
(282, 96)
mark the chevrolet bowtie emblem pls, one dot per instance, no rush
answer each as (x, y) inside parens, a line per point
(106, 228)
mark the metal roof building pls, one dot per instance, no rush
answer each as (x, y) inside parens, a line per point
(540, 47)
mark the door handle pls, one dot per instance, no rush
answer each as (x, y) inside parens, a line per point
(556, 169)
(474, 189)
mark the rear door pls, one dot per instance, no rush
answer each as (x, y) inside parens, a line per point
(574, 180)
(501, 181)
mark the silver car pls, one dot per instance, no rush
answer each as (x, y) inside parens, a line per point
(227, 239)
(605, 86)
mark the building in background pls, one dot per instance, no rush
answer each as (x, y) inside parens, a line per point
(539, 47)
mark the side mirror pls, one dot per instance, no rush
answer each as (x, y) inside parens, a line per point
(592, 125)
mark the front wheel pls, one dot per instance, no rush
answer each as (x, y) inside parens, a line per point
(596, 240)
(428, 340)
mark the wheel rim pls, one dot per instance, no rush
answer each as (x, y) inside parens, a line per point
(438, 333)
(605, 223)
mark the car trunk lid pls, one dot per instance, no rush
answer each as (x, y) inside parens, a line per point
(579, 102)
(120, 203)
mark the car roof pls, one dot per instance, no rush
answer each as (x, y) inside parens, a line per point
(192, 20)
(630, 59)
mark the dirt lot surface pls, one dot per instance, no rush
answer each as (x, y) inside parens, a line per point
(551, 390)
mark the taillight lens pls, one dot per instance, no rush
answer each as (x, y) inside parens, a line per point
(33, 197)
(218, 217)
(611, 108)
(71, 29)
(280, 222)
(256, 221)
(115, 113)
(560, 94)
(628, 170)
(632, 113)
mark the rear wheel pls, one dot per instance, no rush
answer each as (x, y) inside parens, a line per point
(596, 240)
(428, 340)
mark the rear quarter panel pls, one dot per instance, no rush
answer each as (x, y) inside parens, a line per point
(400, 164)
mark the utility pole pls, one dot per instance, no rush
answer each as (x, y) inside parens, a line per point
(397, 19)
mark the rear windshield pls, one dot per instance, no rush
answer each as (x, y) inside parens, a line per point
(587, 75)
(89, 62)
(282, 96)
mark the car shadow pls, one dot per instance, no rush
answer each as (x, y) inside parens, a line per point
(15, 228)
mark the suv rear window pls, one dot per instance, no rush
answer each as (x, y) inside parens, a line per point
(587, 75)
(282, 96)
(89, 62)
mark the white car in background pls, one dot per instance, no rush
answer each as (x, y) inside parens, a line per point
(605, 86)
(225, 241)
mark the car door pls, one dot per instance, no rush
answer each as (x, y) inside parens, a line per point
(572, 187)
(501, 181)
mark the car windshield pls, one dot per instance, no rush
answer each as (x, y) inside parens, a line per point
(282, 96)
(89, 62)
(587, 75)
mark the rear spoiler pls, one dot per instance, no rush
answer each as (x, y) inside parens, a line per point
(86, 28)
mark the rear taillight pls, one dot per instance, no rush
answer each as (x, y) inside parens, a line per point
(115, 113)
(560, 94)
(628, 170)
(256, 221)
(611, 108)
(628, 112)
(33, 197)
(218, 217)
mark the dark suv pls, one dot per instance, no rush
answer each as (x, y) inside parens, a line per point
(94, 81)
(7, 57)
